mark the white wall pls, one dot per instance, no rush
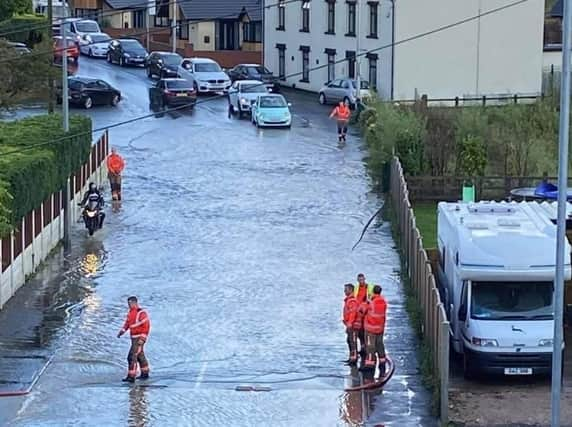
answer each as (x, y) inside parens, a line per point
(319, 41)
(500, 53)
(197, 33)
(26, 263)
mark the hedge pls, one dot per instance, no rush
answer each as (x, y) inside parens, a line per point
(29, 29)
(30, 176)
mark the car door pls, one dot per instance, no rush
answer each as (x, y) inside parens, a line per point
(185, 70)
(94, 92)
(334, 90)
(112, 51)
(105, 92)
(346, 90)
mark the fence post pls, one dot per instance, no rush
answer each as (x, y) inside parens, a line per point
(456, 101)
(444, 368)
(516, 98)
(484, 100)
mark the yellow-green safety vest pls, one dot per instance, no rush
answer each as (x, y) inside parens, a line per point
(369, 290)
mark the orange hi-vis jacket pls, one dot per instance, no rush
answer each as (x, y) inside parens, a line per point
(343, 113)
(362, 309)
(115, 164)
(137, 323)
(350, 311)
(374, 320)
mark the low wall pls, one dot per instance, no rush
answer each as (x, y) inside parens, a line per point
(42, 229)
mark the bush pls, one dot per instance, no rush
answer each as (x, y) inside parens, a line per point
(30, 171)
(29, 29)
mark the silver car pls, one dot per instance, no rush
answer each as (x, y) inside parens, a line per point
(343, 90)
(205, 74)
(243, 93)
(94, 44)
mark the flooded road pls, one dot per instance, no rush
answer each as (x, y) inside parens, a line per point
(237, 242)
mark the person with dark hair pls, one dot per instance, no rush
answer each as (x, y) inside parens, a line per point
(138, 325)
(350, 313)
(374, 326)
(342, 113)
(363, 291)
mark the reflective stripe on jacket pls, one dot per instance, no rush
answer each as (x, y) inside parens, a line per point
(362, 309)
(363, 293)
(350, 310)
(374, 320)
(137, 323)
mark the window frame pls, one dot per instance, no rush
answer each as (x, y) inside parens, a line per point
(281, 16)
(331, 17)
(281, 61)
(351, 59)
(305, 64)
(305, 9)
(373, 20)
(372, 71)
(352, 18)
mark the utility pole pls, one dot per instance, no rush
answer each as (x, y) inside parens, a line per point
(174, 30)
(66, 126)
(561, 223)
(358, 53)
(50, 58)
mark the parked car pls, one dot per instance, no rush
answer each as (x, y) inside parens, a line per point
(205, 74)
(255, 72)
(163, 64)
(79, 27)
(94, 44)
(271, 110)
(87, 92)
(71, 50)
(126, 52)
(242, 93)
(343, 90)
(21, 48)
(172, 92)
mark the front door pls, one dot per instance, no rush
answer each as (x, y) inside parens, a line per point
(228, 35)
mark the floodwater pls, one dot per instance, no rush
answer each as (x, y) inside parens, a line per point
(238, 243)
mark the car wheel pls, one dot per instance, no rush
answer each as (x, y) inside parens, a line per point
(322, 98)
(88, 103)
(115, 100)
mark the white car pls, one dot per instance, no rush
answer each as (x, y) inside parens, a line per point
(94, 44)
(205, 74)
(243, 93)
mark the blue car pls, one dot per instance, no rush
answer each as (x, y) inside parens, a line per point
(271, 110)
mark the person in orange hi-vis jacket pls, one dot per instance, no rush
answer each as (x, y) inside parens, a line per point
(138, 325)
(374, 326)
(115, 165)
(342, 112)
(350, 313)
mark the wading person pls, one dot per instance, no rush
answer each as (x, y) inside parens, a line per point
(115, 166)
(342, 113)
(138, 325)
(374, 326)
(362, 293)
(350, 313)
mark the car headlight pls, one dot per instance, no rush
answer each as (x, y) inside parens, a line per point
(548, 342)
(244, 101)
(127, 55)
(484, 342)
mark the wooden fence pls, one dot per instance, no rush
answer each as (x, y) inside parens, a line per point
(40, 230)
(435, 326)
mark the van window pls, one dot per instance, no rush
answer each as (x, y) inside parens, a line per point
(87, 27)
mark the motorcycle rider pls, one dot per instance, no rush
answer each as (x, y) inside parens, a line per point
(93, 195)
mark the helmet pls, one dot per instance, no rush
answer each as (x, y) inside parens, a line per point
(92, 186)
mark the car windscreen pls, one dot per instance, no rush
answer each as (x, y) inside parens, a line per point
(272, 102)
(206, 67)
(512, 300)
(87, 27)
(171, 59)
(178, 85)
(131, 45)
(253, 88)
(363, 84)
(258, 70)
(75, 85)
(99, 38)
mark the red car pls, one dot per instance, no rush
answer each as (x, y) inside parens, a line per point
(72, 49)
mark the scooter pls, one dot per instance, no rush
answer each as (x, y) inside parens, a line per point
(91, 216)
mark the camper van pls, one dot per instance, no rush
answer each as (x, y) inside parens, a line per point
(496, 272)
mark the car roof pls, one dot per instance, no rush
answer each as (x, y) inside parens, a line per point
(101, 33)
(250, 65)
(273, 95)
(126, 39)
(250, 82)
(83, 79)
(16, 44)
(196, 59)
(173, 79)
(162, 52)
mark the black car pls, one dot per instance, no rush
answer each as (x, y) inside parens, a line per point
(254, 72)
(172, 93)
(163, 64)
(126, 52)
(86, 92)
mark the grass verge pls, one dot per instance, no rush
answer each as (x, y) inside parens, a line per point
(426, 219)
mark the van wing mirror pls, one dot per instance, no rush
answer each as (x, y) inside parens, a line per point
(462, 316)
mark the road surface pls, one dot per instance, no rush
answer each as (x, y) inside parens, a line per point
(237, 241)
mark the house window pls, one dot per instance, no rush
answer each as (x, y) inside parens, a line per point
(281, 16)
(252, 32)
(138, 19)
(162, 14)
(305, 64)
(281, 61)
(372, 57)
(331, 17)
(183, 31)
(351, 58)
(331, 53)
(351, 19)
(373, 20)
(86, 13)
(305, 17)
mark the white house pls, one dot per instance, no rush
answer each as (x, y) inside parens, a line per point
(407, 48)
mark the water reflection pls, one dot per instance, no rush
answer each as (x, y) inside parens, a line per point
(356, 406)
(138, 407)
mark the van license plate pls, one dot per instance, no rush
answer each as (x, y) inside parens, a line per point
(518, 371)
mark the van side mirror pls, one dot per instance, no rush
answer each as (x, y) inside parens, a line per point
(462, 313)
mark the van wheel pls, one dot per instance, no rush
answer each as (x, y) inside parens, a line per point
(322, 98)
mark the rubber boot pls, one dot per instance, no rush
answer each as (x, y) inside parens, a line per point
(143, 377)
(128, 380)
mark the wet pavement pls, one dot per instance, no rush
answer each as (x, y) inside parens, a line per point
(238, 242)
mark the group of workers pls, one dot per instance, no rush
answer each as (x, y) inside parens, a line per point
(364, 316)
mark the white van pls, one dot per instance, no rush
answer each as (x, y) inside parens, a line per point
(496, 274)
(79, 27)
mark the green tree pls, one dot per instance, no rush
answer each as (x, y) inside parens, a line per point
(9, 8)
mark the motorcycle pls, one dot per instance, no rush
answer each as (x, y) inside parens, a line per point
(91, 216)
